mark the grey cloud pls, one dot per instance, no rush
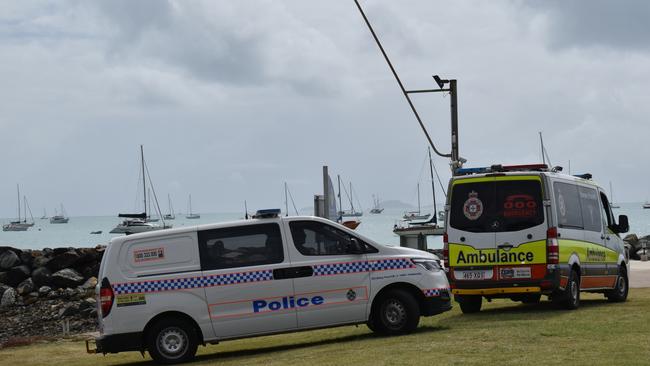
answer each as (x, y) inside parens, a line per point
(620, 25)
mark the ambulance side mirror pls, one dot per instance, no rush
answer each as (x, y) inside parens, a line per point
(355, 247)
(623, 225)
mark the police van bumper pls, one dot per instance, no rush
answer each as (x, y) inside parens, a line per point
(115, 343)
(436, 305)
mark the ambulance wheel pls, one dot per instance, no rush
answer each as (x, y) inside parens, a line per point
(172, 340)
(397, 312)
(619, 293)
(469, 303)
(570, 298)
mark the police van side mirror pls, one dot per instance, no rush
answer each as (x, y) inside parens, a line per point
(355, 247)
(623, 225)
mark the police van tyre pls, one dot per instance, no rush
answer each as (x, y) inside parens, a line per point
(397, 312)
(619, 294)
(171, 341)
(469, 303)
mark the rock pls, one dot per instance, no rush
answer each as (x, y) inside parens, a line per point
(90, 283)
(25, 287)
(8, 298)
(41, 261)
(631, 238)
(26, 257)
(59, 251)
(3, 277)
(8, 260)
(3, 288)
(88, 303)
(87, 255)
(67, 278)
(63, 260)
(44, 290)
(30, 298)
(47, 252)
(17, 274)
(42, 276)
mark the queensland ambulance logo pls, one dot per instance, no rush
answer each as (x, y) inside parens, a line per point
(473, 207)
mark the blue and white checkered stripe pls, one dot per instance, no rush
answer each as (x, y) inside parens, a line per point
(362, 266)
(193, 282)
(435, 292)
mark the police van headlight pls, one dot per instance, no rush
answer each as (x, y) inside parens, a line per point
(428, 264)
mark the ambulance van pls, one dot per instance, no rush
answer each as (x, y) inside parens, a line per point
(524, 231)
(166, 292)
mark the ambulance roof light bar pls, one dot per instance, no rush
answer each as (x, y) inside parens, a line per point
(502, 168)
(270, 213)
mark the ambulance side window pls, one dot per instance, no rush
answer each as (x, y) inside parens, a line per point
(241, 246)
(590, 209)
(315, 238)
(567, 205)
(608, 218)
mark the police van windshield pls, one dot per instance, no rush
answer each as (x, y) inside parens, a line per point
(496, 206)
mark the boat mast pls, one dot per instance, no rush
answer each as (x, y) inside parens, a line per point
(541, 144)
(611, 193)
(190, 204)
(433, 188)
(418, 198)
(18, 190)
(245, 210)
(286, 201)
(351, 202)
(338, 177)
(144, 183)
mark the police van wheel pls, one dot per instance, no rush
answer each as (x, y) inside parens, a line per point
(571, 296)
(469, 303)
(172, 340)
(396, 313)
(619, 294)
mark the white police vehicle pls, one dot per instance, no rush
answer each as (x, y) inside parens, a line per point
(169, 291)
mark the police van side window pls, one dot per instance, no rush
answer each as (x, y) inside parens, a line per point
(240, 246)
(567, 205)
(315, 238)
(590, 209)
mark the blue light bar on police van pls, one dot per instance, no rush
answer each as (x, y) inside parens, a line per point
(267, 213)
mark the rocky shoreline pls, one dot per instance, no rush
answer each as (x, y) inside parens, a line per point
(47, 293)
(51, 292)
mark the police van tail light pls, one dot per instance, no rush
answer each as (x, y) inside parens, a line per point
(106, 297)
(552, 246)
(445, 250)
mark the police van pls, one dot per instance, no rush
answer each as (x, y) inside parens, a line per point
(169, 291)
(524, 231)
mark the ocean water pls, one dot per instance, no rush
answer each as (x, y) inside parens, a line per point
(379, 227)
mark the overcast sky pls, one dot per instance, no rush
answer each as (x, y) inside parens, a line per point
(232, 98)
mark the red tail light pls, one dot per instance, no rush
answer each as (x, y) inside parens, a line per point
(445, 250)
(106, 297)
(552, 246)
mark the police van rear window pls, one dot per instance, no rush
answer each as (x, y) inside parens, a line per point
(496, 206)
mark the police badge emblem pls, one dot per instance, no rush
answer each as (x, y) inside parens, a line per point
(473, 207)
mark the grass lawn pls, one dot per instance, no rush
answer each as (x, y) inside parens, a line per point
(504, 333)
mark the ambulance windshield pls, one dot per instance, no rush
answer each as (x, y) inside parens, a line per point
(496, 206)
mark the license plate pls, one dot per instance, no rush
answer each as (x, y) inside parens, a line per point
(473, 275)
(516, 272)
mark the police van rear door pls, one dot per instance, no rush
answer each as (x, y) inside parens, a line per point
(520, 228)
(469, 229)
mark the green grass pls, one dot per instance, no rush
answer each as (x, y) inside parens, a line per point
(504, 333)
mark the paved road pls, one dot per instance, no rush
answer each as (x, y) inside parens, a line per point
(639, 274)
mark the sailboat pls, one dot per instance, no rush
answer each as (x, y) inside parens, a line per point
(376, 209)
(44, 217)
(137, 223)
(416, 215)
(646, 204)
(333, 212)
(611, 197)
(19, 225)
(191, 215)
(352, 212)
(170, 215)
(150, 218)
(59, 218)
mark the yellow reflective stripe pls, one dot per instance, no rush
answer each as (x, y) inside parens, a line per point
(495, 291)
(587, 252)
(497, 178)
(533, 252)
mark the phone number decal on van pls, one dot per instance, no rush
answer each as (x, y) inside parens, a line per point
(150, 254)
